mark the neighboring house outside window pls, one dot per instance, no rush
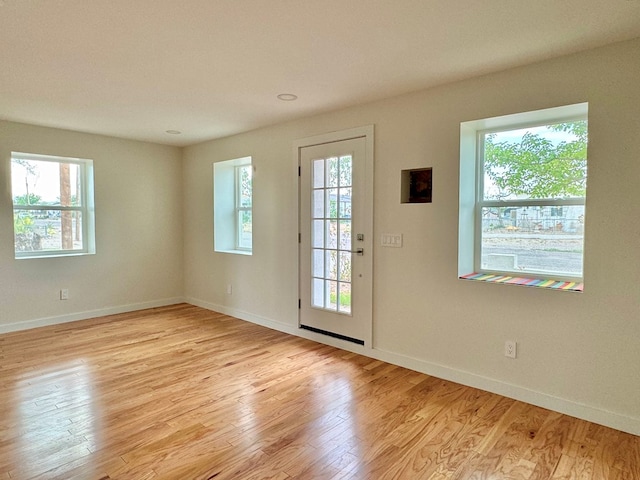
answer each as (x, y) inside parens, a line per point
(53, 207)
(522, 194)
(233, 206)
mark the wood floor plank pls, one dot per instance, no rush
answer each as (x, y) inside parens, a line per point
(180, 392)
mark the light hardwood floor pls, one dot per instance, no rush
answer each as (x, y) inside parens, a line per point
(184, 393)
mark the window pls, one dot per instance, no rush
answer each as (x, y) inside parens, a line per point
(243, 207)
(53, 211)
(232, 206)
(522, 194)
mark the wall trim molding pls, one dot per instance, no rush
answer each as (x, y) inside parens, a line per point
(561, 405)
(74, 317)
(557, 404)
(280, 326)
(242, 315)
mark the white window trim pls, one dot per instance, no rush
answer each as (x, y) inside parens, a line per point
(87, 207)
(471, 185)
(225, 206)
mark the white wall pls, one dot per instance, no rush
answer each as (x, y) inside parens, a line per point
(138, 260)
(578, 353)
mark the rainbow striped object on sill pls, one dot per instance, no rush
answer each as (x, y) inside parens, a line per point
(526, 282)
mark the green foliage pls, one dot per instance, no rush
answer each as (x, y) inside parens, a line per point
(538, 168)
(22, 222)
(27, 199)
(345, 298)
(246, 185)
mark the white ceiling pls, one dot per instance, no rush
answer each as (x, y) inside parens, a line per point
(212, 68)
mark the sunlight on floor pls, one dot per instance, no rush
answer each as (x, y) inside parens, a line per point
(57, 416)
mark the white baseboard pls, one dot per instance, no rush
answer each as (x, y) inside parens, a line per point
(585, 412)
(280, 326)
(242, 315)
(74, 317)
(539, 399)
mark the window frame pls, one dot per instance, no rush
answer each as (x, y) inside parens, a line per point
(471, 192)
(86, 207)
(227, 208)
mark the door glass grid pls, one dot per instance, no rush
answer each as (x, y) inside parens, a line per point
(331, 234)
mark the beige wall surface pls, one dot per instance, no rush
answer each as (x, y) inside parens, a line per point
(578, 352)
(138, 260)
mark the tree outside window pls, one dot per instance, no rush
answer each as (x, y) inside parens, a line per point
(52, 205)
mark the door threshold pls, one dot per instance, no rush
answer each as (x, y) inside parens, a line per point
(334, 335)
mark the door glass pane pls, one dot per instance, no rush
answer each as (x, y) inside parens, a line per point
(318, 263)
(317, 297)
(318, 203)
(345, 267)
(332, 203)
(331, 295)
(345, 298)
(331, 234)
(318, 234)
(345, 234)
(345, 171)
(332, 264)
(345, 203)
(318, 173)
(332, 172)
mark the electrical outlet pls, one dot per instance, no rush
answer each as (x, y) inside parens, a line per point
(510, 349)
(229, 289)
(64, 294)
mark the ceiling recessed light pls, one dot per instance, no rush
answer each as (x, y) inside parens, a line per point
(173, 132)
(287, 97)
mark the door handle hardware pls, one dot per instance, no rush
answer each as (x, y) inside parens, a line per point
(358, 251)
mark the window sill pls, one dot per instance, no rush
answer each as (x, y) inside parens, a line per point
(525, 282)
(237, 252)
(54, 254)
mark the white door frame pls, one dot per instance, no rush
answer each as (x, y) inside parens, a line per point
(359, 132)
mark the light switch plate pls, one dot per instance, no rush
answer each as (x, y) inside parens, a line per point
(391, 240)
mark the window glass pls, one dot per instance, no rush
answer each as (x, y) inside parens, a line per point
(532, 209)
(244, 194)
(52, 205)
(548, 161)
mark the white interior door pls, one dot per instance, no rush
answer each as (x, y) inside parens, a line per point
(335, 239)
